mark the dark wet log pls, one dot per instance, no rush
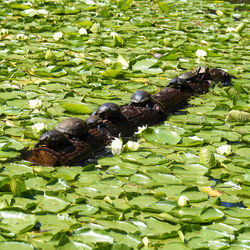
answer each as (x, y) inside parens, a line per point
(77, 151)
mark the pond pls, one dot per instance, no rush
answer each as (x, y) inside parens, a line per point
(64, 59)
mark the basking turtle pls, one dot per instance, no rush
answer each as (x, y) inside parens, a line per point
(196, 74)
(179, 83)
(189, 76)
(108, 110)
(52, 138)
(141, 98)
(73, 127)
(93, 121)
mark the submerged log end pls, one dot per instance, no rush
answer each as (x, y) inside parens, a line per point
(42, 156)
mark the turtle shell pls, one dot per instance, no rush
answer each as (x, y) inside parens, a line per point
(93, 120)
(108, 110)
(177, 81)
(189, 75)
(52, 137)
(140, 96)
(73, 127)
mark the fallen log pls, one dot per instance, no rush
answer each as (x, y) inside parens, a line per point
(75, 151)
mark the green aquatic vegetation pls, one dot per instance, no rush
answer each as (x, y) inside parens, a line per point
(61, 59)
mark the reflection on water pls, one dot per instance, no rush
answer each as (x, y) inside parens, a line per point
(227, 204)
(230, 204)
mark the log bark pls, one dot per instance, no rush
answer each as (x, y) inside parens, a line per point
(77, 151)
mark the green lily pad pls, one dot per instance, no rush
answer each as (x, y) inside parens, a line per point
(17, 222)
(144, 64)
(76, 108)
(91, 236)
(161, 136)
(15, 245)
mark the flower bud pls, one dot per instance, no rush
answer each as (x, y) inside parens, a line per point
(49, 55)
(183, 201)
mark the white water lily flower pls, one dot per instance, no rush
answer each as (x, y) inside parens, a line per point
(21, 36)
(116, 146)
(108, 61)
(90, 2)
(183, 201)
(200, 53)
(113, 34)
(140, 129)
(34, 104)
(145, 241)
(224, 149)
(230, 29)
(42, 12)
(39, 127)
(58, 35)
(83, 31)
(4, 32)
(132, 145)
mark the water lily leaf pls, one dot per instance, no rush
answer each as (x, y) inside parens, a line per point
(92, 235)
(196, 214)
(161, 136)
(10, 154)
(243, 152)
(145, 158)
(17, 221)
(52, 204)
(159, 229)
(164, 7)
(114, 71)
(121, 225)
(123, 170)
(83, 209)
(17, 185)
(152, 71)
(20, 6)
(144, 64)
(142, 202)
(76, 108)
(237, 212)
(195, 196)
(118, 41)
(15, 245)
(124, 4)
(55, 222)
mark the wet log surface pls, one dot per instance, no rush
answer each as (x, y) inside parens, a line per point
(77, 151)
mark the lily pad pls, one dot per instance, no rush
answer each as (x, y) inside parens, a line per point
(161, 136)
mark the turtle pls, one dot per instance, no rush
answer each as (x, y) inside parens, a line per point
(141, 98)
(179, 83)
(188, 76)
(144, 99)
(199, 71)
(52, 138)
(73, 127)
(108, 110)
(93, 121)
